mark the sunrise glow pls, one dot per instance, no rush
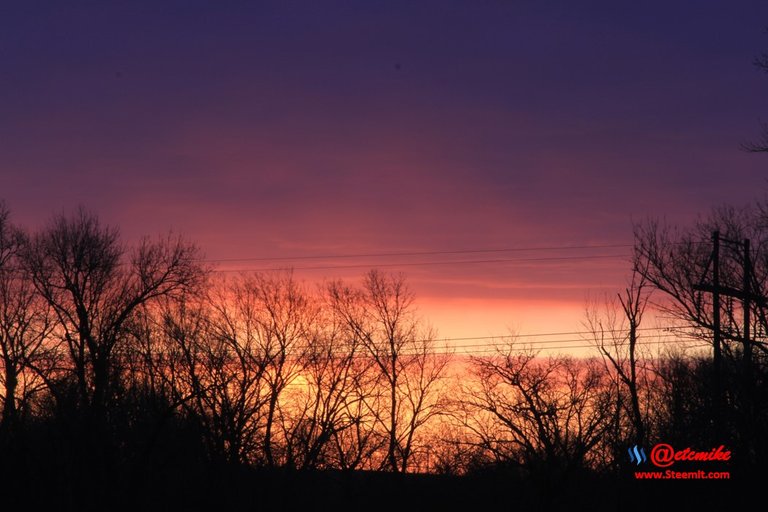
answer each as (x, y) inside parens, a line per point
(427, 255)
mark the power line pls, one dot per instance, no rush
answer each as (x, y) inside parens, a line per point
(542, 342)
(432, 253)
(512, 340)
(550, 334)
(494, 349)
(481, 348)
(421, 253)
(365, 353)
(426, 263)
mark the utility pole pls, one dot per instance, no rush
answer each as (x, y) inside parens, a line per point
(716, 289)
(717, 356)
(747, 297)
(745, 294)
(749, 384)
(747, 288)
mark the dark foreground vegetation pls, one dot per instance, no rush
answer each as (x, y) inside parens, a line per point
(181, 485)
(137, 377)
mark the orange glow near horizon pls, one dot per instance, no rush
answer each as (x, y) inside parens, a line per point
(476, 317)
(471, 305)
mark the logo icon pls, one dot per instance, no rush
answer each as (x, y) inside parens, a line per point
(637, 455)
(663, 455)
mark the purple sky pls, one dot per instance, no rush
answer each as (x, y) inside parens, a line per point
(265, 129)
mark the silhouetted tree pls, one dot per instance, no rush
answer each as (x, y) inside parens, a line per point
(675, 261)
(285, 322)
(545, 413)
(326, 401)
(614, 327)
(455, 451)
(356, 447)
(217, 366)
(382, 316)
(94, 286)
(24, 327)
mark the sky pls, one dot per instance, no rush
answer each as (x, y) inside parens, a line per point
(306, 134)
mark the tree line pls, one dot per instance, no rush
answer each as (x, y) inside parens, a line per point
(127, 361)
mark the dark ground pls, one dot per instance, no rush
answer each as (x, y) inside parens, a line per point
(246, 489)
